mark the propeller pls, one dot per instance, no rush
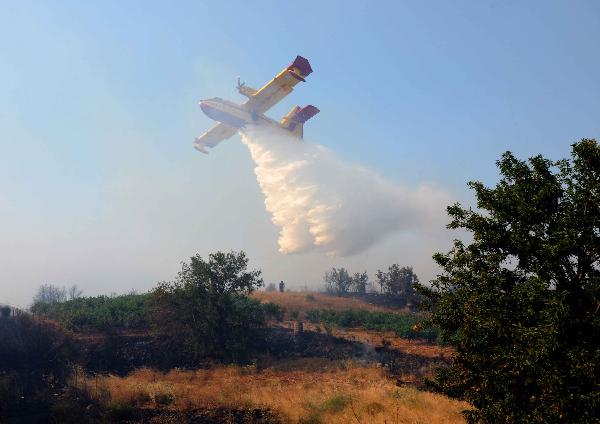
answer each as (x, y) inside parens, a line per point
(240, 84)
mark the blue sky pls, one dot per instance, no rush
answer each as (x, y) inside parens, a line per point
(100, 186)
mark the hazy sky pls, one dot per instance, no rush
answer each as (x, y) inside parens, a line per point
(100, 185)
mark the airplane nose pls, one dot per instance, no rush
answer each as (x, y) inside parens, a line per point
(204, 106)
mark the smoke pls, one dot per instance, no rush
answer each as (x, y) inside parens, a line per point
(321, 203)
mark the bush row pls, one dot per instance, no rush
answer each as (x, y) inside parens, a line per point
(130, 311)
(404, 325)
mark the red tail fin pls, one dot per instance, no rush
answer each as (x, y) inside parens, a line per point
(302, 65)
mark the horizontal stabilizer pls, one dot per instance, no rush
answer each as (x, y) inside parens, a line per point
(305, 114)
(295, 119)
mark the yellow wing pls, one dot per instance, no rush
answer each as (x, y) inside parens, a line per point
(280, 86)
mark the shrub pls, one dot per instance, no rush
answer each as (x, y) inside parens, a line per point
(273, 311)
(120, 411)
(336, 403)
(404, 325)
(163, 398)
(35, 359)
(206, 313)
(128, 311)
(36, 347)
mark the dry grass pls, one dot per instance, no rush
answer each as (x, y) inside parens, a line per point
(300, 302)
(341, 393)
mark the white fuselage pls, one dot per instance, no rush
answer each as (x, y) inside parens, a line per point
(233, 114)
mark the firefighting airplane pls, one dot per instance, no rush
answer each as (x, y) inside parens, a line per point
(232, 116)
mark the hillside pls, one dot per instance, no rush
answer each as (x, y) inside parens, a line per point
(301, 302)
(348, 361)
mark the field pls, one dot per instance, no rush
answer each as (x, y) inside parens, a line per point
(324, 359)
(298, 303)
(305, 391)
(361, 388)
(329, 312)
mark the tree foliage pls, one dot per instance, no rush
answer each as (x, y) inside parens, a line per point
(74, 292)
(337, 281)
(360, 280)
(48, 294)
(398, 281)
(520, 303)
(205, 312)
(128, 311)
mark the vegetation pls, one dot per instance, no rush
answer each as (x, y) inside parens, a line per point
(130, 311)
(360, 281)
(339, 281)
(35, 359)
(404, 325)
(206, 311)
(398, 281)
(299, 303)
(343, 393)
(396, 284)
(209, 314)
(520, 302)
(48, 294)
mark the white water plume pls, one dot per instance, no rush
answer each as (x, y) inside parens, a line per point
(322, 203)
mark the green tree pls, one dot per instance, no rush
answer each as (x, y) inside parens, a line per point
(398, 281)
(520, 303)
(360, 280)
(337, 281)
(205, 312)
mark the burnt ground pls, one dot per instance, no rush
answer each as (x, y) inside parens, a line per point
(204, 416)
(120, 353)
(69, 406)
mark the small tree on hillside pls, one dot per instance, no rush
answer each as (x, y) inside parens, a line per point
(47, 293)
(398, 281)
(74, 292)
(205, 312)
(337, 281)
(271, 287)
(520, 303)
(46, 297)
(360, 280)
